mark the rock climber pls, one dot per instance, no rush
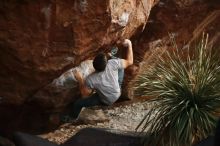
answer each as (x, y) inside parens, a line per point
(105, 81)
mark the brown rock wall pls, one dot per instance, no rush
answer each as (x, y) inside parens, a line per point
(183, 20)
(41, 39)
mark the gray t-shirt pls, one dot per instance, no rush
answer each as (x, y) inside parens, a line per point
(106, 83)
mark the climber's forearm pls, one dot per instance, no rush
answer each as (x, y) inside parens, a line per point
(129, 56)
(84, 90)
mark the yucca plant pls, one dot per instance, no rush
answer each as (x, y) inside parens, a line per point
(185, 90)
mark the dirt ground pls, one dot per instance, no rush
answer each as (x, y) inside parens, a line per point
(122, 116)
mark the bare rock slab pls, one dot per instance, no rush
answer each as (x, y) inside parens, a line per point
(92, 116)
(104, 137)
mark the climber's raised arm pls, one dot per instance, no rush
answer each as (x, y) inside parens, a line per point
(129, 56)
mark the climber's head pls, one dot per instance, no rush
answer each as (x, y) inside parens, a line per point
(100, 61)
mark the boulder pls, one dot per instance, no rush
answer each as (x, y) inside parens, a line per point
(62, 90)
(6, 142)
(92, 116)
(85, 137)
(41, 39)
(104, 137)
(184, 21)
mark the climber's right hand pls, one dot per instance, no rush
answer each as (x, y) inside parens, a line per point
(77, 75)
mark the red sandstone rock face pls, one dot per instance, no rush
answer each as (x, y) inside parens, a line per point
(184, 20)
(41, 39)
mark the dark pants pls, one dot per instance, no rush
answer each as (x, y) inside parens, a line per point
(93, 100)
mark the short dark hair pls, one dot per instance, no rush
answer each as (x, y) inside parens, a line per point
(100, 61)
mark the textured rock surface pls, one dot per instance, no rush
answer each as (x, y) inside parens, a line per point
(91, 116)
(85, 137)
(41, 39)
(104, 137)
(187, 23)
(121, 117)
(183, 20)
(62, 89)
(5, 142)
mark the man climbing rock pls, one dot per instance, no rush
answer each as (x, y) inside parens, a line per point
(105, 81)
